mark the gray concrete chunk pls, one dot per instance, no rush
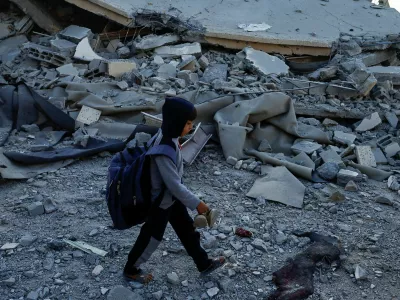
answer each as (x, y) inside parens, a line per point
(179, 50)
(369, 122)
(27, 240)
(218, 71)
(392, 119)
(154, 41)
(263, 63)
(166, 71)
(67, 70)
(331, 155)
(122, 293)
(386, 73)
(64, 46)
(380, 158)
(306, 147)
(75, 33)
(36, 209)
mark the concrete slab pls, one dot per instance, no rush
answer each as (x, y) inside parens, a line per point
(369, 122)
(292, 22)
(386, 73)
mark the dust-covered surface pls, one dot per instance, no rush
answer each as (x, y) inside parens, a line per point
(368, 231)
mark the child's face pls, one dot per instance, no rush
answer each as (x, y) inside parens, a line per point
(187, 128)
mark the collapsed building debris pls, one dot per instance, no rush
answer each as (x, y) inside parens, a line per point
(314, 140)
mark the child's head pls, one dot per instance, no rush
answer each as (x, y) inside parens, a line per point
(178, 116)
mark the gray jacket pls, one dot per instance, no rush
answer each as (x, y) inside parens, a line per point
(165, 174)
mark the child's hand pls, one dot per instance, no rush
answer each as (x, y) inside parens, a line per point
(202, 208)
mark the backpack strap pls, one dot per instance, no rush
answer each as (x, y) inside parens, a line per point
(162, 150)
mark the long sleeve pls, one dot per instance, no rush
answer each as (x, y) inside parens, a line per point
(173, 183)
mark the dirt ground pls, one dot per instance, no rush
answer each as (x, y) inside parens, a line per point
(369, 233)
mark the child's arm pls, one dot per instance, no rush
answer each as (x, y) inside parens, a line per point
(172, 180)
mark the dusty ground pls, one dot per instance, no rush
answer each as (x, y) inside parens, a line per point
(369, 233)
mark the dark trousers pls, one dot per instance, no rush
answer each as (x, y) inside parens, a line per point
(152, 233)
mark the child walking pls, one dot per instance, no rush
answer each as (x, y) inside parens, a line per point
(171, 199)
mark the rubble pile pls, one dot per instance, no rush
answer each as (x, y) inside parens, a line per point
(322, 141)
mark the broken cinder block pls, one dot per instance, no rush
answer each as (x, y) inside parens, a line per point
(75, 33)
(88, 115)
(117, 68)
(365, 157)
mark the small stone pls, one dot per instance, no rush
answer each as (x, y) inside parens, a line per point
(264, 146)
(103, 290)
(185, 283)
(392, 119)
(124, 52)
(94, 232)
(306, 147)
(337, 197)
(173, 278)
(333, 210)
(351, 186)
(344, 138)
(123, 85)
(232, 160)
(157, 295)
(239, 164)
(8, 282)
(280, 238)
(122, 293)
(49, 206)
(9, 246)
(328, 170)
(213, 292)
(225, 284)
(27, 240)
(32, 296)
(158, 60)
(203, 62)
(393, 184)
(360, 273)
(384, 200)
(259, 244)
(39, 184)
(97, 270)
(210, 242)
(36, 209)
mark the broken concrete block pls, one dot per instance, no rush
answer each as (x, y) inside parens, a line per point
(363, 80)
(123, 85)
(203, 62)
(376, 57)
(306, 147)
(67, 70)
(124, 52)
(65, 47)
(75, 33)
(324, 74)
(351, 186)
(393, 183)
(392, 119)
(263, 63)
(97, 67)
(264, 146)
(9, 246)
(344, 176)
(380, 158)
(85, 52)
(88, 115)
(369, 123)
(158, 60)
(49, 206)
(386, 73)
(152, 41)
(113, 46)
(328, 170)
(232, 160)
(179, 50)
(166, 71)
(189, 63)
(350, 48)
(45, 54)
(331, 155)
(365, 157)
(217, 71)
(392, 149)
(27, 240)
(117, 68)
(303, 159)
(36, 209)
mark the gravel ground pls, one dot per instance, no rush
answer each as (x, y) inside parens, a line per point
(47, 268)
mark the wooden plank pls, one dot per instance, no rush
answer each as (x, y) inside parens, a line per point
(39, 15)
(284, 49)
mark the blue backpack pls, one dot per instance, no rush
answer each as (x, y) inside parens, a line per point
(129, 186)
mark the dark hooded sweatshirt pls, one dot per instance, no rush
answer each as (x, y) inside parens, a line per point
(164, 173)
